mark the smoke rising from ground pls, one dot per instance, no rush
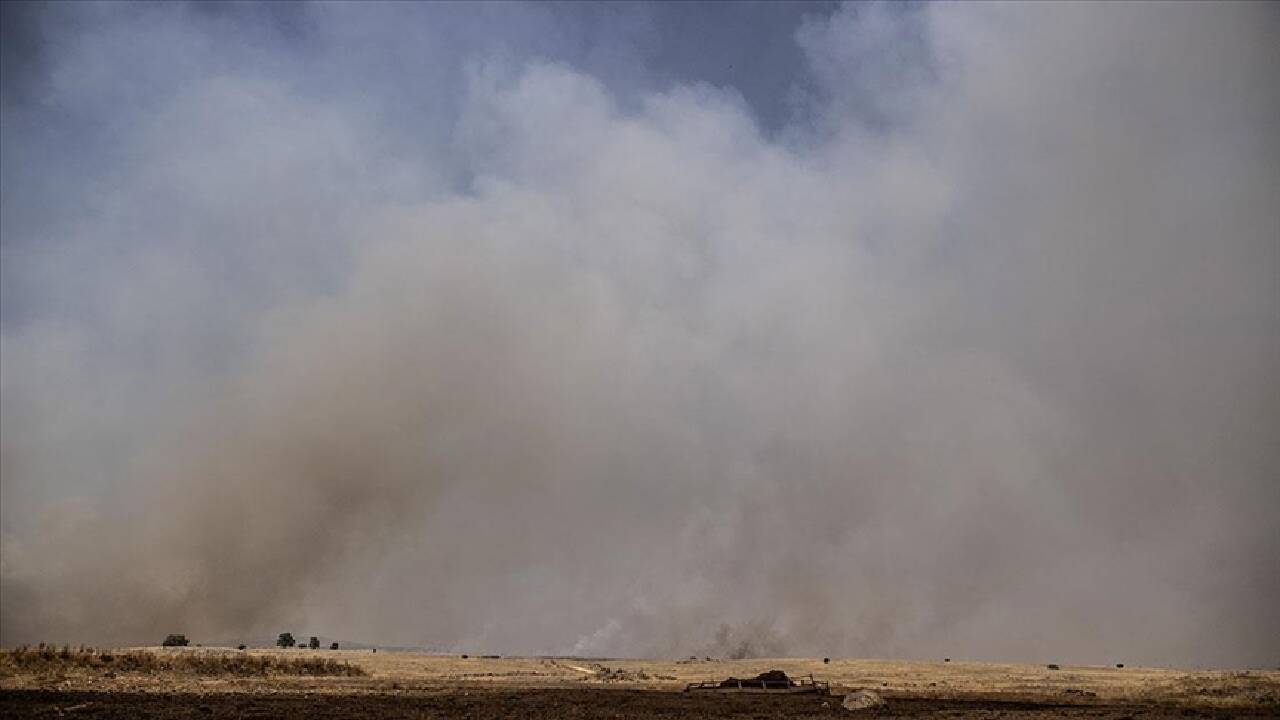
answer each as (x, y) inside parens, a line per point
(453, 330)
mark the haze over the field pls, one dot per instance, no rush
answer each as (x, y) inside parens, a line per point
(646, 330)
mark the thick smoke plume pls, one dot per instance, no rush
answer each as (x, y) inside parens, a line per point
(429, 325)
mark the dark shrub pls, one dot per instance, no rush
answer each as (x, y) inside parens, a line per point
(176, 641)
(286, 640)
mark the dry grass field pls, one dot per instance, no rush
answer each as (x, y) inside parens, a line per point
(212, 682)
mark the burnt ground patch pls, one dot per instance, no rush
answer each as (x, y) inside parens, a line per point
(483, 704)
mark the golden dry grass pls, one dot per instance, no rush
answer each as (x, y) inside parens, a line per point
(51, 660)
(408, 672)
(943, 680)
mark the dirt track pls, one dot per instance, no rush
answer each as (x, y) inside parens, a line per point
(481, 704)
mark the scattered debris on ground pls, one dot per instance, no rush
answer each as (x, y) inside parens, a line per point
(1079, 692)
(862, 700)
(609, 674)
(604, 673)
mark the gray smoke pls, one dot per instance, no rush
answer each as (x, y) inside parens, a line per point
(451, 326)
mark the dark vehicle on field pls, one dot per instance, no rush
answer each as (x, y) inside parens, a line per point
(774, 681)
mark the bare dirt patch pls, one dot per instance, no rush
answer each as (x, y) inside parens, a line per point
(539, 704)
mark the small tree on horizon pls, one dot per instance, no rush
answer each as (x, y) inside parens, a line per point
(315, 643)
(285, 640)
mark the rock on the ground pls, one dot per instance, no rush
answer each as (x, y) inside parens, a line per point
(862, 700)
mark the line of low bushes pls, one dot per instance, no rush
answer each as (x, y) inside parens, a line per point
(51, 658)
